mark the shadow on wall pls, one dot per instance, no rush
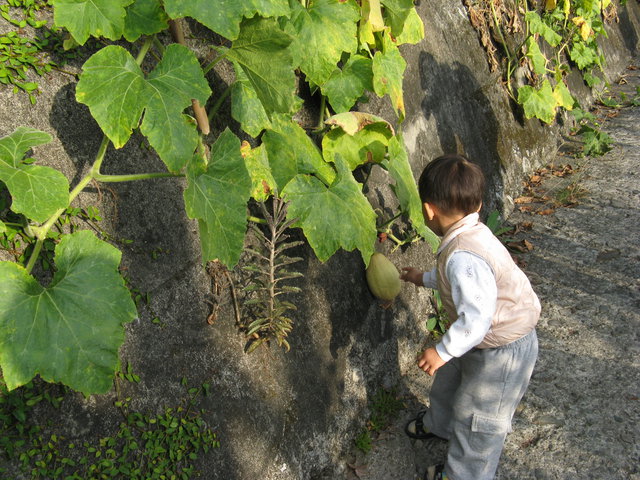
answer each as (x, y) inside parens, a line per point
(464, 119)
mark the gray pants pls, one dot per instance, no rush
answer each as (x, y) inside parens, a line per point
(473, 399)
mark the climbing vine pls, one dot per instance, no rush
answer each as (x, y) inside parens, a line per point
(146, 79)
(536, 43)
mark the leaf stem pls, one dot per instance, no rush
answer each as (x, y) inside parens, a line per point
(213, 63)
(144, 49)
(34, 255)
(220, 99)
(133, 177)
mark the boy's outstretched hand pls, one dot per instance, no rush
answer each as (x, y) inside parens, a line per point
(430, 361)
(413, 275)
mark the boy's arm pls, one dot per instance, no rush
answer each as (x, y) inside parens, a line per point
(418, 277)
(474, 292)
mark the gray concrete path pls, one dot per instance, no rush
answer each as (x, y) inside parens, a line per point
(580, 418)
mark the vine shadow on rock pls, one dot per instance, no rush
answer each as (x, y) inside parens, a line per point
(464, 119)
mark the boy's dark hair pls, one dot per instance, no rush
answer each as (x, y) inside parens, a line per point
(452, 183)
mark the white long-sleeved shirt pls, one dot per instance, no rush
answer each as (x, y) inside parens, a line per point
(475, 293)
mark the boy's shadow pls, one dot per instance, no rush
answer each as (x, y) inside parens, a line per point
(464, 118)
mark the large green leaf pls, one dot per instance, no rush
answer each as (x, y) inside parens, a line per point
(262, 51)
(406, 190)
(345, 86)
(218, 198)
(388, 73)
(70, 331)
(144, 17)
(291, 151)
(246, 107)
(224, 16)
(114, 88)
(36, 191)
(538, 59)
(537, 25)
(321, 32)
(338, 216)
(174, 82)
(539, 103)
(97, 18)
(362, 138)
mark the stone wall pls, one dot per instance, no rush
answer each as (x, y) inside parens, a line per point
(292, 415)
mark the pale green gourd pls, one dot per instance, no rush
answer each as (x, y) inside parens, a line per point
(383, 277)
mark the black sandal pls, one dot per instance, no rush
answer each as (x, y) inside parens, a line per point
(419, 432)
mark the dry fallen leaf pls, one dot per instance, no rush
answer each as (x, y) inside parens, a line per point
(524, 200)
(547, 211)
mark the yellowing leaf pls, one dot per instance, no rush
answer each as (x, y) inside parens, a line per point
(563, 97)
(372, 12)
(550, 5)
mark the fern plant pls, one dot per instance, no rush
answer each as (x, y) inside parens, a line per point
(271, 269)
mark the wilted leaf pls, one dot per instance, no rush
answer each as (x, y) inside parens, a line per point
(257, 162)
(388, 73)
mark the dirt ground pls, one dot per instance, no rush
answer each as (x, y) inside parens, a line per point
(580, 418)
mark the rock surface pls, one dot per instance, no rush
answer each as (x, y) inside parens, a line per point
(580, 418)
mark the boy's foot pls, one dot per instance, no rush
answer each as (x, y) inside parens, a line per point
(416, 429)
(435, 472)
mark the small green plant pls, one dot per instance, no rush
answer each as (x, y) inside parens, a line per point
(270, 270)
(439, 321)
(162, 446)
(495, 224)
(595, 142)
(363, 441)
(384, 406)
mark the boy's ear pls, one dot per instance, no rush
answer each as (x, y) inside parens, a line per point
(429, 210)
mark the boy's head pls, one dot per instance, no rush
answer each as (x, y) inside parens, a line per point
(453, 184)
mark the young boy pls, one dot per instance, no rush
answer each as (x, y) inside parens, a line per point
(485, 359)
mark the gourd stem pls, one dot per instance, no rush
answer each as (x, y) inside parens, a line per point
(144, 49)
(221, 98)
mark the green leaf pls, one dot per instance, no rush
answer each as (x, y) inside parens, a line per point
(388, 73)
(321, 32)
(396, 13)
(37, 191)
(246, 107)
(291, 151)
(538, 60)
(537, 25)
(174, 82)
(338, 216)
(114, 88)
(538, 103)
(218, 198)
(257, 162)
(368, 144)
(3, 227)
(97, 18)
(584, 55)
(262, 51)
(406, 189)
(144, 17)
(224, 16)
(70, 331)
(346, 86)
(413, 31)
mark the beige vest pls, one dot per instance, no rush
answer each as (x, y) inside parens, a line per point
(517, 308)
